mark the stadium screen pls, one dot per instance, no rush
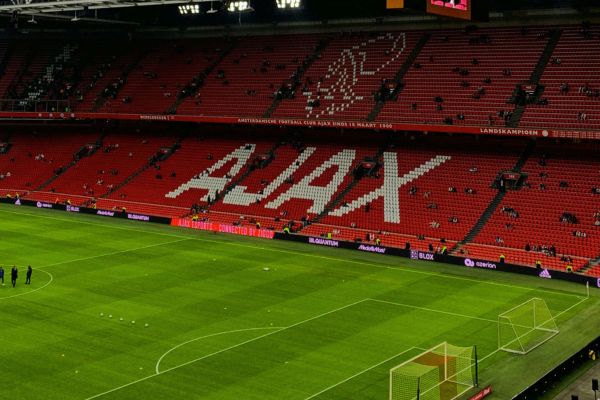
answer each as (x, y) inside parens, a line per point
(391, 4)
(463, 9)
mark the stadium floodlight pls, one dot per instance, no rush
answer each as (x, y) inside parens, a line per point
(186, 9)
(212, 10)
(282, 4)
(239, 6)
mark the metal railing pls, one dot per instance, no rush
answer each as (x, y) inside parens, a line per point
(35, 105)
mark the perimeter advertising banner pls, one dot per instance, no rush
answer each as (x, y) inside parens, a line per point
(223, 228)
(436, 257)
(86, 210)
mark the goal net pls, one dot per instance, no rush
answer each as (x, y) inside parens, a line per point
(526, 326)
(443, 372)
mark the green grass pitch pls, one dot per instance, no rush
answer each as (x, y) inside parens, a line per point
(319, 324)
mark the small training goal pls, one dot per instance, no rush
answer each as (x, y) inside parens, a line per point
(526, 326)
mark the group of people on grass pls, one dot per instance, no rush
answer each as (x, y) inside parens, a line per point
(14, 274)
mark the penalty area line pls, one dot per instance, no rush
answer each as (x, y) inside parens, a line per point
(157, 367)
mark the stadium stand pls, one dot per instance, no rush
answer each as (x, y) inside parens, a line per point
(470, 74)
(158, 78)
(34, 159)
(459, 77)
(538, 217)
(571, 84)
(446, 193)
(116, 158)
(251, 74)
(185, 175)
(342, 83)
(429, 193)
(104, 63)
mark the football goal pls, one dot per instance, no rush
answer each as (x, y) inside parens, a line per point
(443, 372)
(526, 326)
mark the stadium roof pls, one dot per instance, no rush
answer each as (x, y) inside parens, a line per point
(52, 6)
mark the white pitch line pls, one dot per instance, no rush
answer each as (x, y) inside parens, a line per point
(570, 308)
(434, 310)
(34, 290)
(41, 269)
(224, 350)
(209, 336)
(359, 373)
(364, 263)
(114, 253)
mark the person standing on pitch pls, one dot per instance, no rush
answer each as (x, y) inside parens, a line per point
(13, 275)
(2, 275)
(29, 271)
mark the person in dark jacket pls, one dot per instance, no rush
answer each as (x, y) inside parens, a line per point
(14, 274)
(29, 271)
(2, 275)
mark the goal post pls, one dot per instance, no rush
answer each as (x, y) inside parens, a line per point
(526, 326)
(441, 373)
